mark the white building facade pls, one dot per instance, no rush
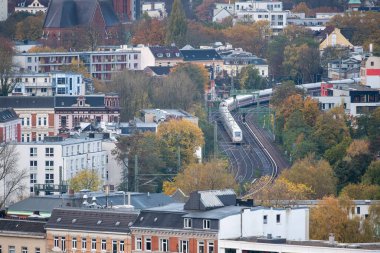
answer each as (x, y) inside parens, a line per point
(3, 10)
(48, 84)
(54, 161)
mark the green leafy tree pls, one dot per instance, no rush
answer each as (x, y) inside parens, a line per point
(250, 78)
(337, 152)
(361, 191)
(30, 28)
(177, 25)
(147, 148)
(283, 91)
(85, 179)
(372, 175)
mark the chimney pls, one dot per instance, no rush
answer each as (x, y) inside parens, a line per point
(371, 48)
(331, 239)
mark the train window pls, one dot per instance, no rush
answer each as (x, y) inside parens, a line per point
(237, 134)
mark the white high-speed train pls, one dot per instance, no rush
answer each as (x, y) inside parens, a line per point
(230, 104)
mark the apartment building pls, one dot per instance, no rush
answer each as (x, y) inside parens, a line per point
(86, 230)
(100, 64)
(55, 160)
(277, 19)
(49, 84)
(22, 236)
(235, 60)
(165, 56)
(10, 126)
(49, 115)
(370, 72)
(210, 216)
(36, 114)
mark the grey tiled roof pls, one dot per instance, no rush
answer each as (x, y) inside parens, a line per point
(27, 102)
(22, 226)
(92, 220)
(7, 114)
(200, 55)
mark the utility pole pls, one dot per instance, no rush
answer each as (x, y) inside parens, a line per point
(179, 158)
(136, 175)
(215, 139)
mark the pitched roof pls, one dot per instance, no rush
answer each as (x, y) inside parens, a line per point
(200, 55)
(204, 200)
(22, 226)
(70, 13)
(26, 102)
(68, 101)
(160, 70)
(7, 114)
(25, 3)
(92, 220)
(166, 52)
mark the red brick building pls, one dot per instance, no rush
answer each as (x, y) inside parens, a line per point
(69, 22)
(10, 126)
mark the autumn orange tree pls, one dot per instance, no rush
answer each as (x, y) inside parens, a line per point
(333, 215)
(30, 28)
(149, 31)
(361, 191)
(180, 138)
(6, 71)
(212, 175)
(85, 179)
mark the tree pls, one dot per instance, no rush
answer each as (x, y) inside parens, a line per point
(85, 179)
(330, 129)
(252, 37)
(361, 191)
(302, 8)
(204, 10)
(316, 174)
(331, 215)
(134, 89)
(30, 28)
(372, 175)
(337, 152)
(333, 53)
(149, 31)
(6, 73)
(211, 175)
(11, 177)
(280, 193)
(177, 25)
(180, 138)
(282, 92)
(275, 55)
(146, 147)
(301, 62)
(250, 78)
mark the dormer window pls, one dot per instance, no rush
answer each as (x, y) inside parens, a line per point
(167, 54)
(187, 223)
(206, 224)
(160, 55)
(177, 54)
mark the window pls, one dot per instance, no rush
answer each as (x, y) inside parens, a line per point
(33, 165)
(11, 249)
(37, 250)
(201, 247)
(148, 244)
(49, 151)
(24, 250)
(104, 245)
(372, 64)
(63, 244)
(358, 210)
(138, 243)
(56, 241)
(61, 80)
(93, 244)
(114, 246)
(164, 245)
(135, 56)
(49, 178)
(33, 151)
(184, 246)
(33, 178)
(63, 121)
(49, 165)
(74, 243)
(210, 247)
(278, 218)
(121, 246)
(187, 223)
(265, 219)
(206, 224)
(84, 243)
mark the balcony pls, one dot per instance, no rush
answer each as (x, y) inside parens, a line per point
(48, 188)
